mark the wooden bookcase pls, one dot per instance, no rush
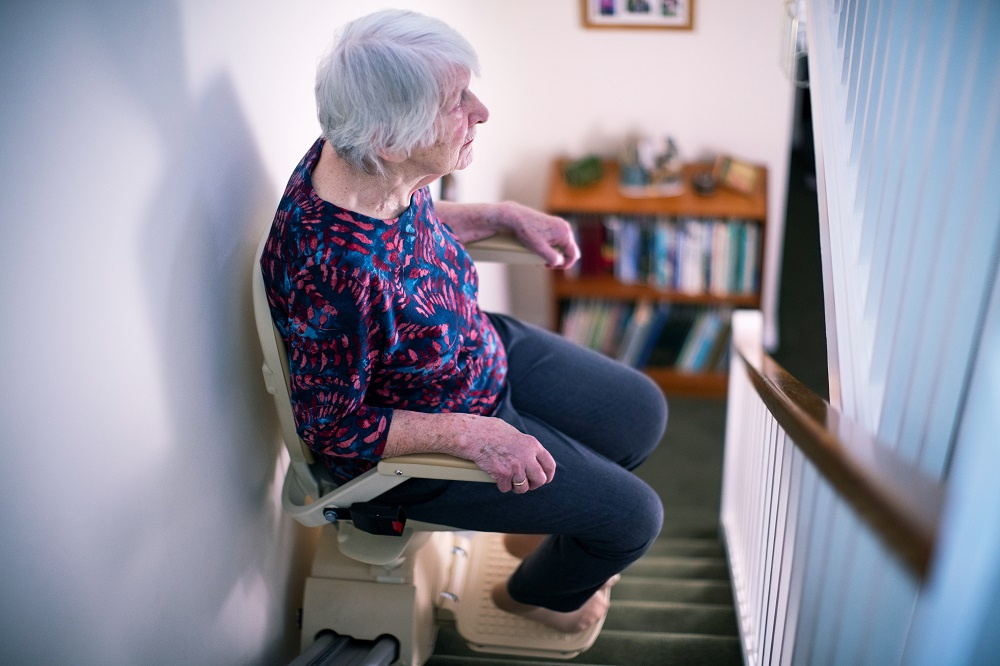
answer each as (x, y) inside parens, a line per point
(604, 199)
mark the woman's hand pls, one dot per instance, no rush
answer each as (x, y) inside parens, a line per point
(548, 236)
(516, 461)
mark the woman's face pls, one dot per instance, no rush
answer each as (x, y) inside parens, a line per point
(456, 124)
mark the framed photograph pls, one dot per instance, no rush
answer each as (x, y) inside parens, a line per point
(650, 14)
(735, 174)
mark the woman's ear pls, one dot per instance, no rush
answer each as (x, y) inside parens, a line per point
(393, 156)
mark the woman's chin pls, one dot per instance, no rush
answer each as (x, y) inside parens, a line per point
(464, 159)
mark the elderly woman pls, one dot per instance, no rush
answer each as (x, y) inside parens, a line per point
(372, 289)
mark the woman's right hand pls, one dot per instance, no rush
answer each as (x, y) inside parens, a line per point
(516, 461)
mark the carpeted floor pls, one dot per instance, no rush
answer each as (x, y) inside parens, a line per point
(674, 606)
(686, 469)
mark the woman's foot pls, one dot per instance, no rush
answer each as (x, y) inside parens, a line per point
(522, 545)
(583, 618)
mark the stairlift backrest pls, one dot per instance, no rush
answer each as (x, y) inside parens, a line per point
(275, 371)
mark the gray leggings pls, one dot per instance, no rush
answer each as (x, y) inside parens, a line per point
(599, 419)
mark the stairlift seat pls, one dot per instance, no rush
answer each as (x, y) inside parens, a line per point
(368, 585)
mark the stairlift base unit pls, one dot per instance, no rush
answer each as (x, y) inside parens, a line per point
(448, 577)
(366, 601)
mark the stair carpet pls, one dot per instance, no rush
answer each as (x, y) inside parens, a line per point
(673, 606)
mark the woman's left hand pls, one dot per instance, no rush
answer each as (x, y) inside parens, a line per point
(548, 236)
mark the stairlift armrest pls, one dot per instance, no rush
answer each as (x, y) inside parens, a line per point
(433, 466)
(503, 249)
(390, 472)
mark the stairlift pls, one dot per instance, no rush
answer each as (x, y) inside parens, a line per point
(369, 586)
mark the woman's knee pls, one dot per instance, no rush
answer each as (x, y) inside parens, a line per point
(646, 419)
(646, 517)
(633, 519)
(650, 400)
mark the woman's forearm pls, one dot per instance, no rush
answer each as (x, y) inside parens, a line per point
(471, 222)
(499, 449)
(418, 432)
(548, 236)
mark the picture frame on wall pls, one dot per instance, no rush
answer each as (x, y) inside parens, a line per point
(648, 14)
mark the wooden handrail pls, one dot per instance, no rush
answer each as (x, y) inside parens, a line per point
(902, 504)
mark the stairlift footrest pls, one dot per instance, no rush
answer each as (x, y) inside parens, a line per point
(486, 628)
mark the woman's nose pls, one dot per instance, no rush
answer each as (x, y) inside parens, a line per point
(479, 114)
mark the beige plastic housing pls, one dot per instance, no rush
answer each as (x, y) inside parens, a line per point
(447, 576)
(503, 249)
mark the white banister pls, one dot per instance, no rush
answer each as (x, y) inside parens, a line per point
(832, 514)
(806, 556)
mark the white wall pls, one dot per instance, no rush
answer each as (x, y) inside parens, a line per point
(138, 506)
(142, 149)
(555, 88)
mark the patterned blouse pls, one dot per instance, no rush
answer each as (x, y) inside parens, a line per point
(376, 315)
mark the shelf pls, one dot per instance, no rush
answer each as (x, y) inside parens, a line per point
(604, 197)
(699, 385)
(607, 287)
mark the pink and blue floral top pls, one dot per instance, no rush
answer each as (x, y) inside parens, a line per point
(376, 315)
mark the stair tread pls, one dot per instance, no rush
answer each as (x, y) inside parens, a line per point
(690, 531)
(613, 648)
(655, 604)
(656, 648)
(681, 547)
(645, 580)
(679, 567)
(715, 559)
(673, 618)
(674, 605)
(701, 591)
(497, 660)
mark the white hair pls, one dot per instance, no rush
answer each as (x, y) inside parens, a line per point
(381, 86)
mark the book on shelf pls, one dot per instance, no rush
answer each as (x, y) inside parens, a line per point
(615, 327)
(689, 349)
(627, 244)
(649, 334)
(719, 277)
(718, 256)
(751, 252)
(718, 354)
(650, 344)
(737, 245)
(636, 332)
(691, 257)
(663, 254)
(667, 346)
(595, 239)
(704, 336)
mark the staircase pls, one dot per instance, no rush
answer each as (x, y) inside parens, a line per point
(674, 606)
